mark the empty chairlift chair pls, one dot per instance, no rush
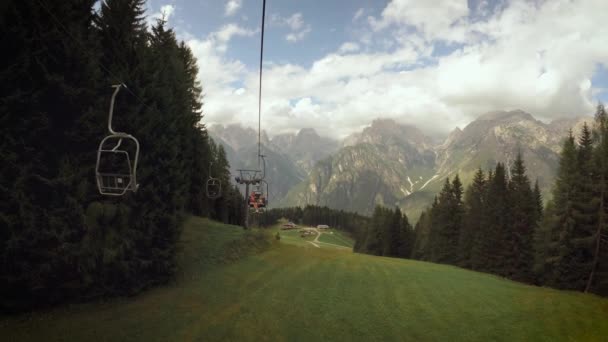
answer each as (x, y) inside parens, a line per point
(213, 187)
(115, 171)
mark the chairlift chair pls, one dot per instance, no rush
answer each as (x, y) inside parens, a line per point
(258, 200)
(115, 173)
(213, 187)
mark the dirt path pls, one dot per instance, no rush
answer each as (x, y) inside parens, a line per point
(318, 243)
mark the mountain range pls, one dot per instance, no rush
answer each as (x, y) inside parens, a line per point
(393, 164)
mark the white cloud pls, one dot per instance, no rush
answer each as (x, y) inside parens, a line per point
(232, 6)
(358, 14)
(295, 23)
(536, 56)
(348, 47)
(298, 35)
(225, 34)
(432, 18)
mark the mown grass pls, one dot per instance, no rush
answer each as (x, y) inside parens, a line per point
(336, 237)
(302, 293)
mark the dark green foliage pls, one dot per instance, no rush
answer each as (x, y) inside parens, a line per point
(571, 244)
(492, 230)
(474, 224)
(524, 218)
(447, 214)
(422, 234)
(388, 233)
(598, 278)
(59, 239)
(568, 260)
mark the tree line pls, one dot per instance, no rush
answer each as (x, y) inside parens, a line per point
(498, 224)
(489, 227)
(313, 215)
(388, 233)
(59, 239)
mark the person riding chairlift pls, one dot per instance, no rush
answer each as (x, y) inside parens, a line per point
(253, 203)
(257, 201)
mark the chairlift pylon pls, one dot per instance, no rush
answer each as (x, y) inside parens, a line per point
(114, 172)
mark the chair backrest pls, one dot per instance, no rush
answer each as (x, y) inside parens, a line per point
(115, 171)
(213, 188)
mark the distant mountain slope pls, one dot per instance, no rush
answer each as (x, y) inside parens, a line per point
(382, 165)
(392, 164)
(305, 148)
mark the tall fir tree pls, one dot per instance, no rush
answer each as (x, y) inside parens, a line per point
(474, 223)
(524, 217)
(598, 276)
(494, 249)
(564, 261)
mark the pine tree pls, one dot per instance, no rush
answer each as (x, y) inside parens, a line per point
(538, 202)
(422, 233)
(48, 103)
(447, 220)
(523, 214)
(493, 247)
(469, 243)
(406, 237)
(598, 275)
(565, 262)
(394, 234)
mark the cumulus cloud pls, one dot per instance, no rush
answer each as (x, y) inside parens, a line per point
(232, 6)
(225, 34)
(434, 19)
(536, 56)
(358, 14)
(348, 47)
(295, 23)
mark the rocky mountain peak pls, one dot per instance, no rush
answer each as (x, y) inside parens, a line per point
(517, 114)
(308, 133)
(237, 136)
(388, 131)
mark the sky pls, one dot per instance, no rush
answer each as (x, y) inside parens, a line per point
(335, 65)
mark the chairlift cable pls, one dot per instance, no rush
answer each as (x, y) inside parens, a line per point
(260, 86)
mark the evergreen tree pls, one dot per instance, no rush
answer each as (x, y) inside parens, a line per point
(494, 249)
(598, 276)
(474, 225)
(406, 237)
(48, 105)
(422, 234)
(524, 215)
(447, 220)
(62, 239)
(565, 262)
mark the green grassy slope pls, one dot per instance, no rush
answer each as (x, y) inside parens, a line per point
(336, 237)
(300, 292)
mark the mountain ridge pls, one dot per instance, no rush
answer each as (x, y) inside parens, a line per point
(407, 168)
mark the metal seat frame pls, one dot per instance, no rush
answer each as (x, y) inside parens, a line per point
(114, 184)
(213, 188)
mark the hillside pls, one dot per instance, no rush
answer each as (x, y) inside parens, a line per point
(300, 292)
